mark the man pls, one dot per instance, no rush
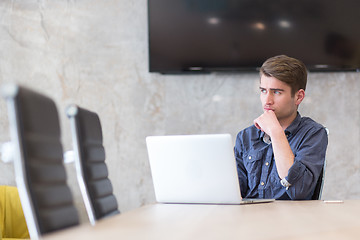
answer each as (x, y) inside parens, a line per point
(282, 154)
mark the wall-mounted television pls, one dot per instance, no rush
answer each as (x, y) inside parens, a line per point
(239, 35)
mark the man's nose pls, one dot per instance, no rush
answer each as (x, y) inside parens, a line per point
(269, 98)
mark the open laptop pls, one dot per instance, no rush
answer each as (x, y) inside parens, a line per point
(195, 169)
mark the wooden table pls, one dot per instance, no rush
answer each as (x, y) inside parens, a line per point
(277, 220)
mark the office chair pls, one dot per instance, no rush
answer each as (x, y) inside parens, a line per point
(320, 182)
(38, 161)
(319, 186)
(92, 172)
(12, 220)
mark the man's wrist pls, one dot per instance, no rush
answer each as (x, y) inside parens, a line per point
(285, 183)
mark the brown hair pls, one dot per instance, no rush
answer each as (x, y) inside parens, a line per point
(286, 69)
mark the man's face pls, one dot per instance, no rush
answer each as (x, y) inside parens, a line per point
(275, 95)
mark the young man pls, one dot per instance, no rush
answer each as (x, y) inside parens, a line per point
(282, 154)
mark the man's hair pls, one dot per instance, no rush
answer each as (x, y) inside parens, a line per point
(286, 69)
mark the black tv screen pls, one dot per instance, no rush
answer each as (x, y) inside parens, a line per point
(239, 35)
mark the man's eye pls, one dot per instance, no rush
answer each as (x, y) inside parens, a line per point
(263, 90)
(277, 92)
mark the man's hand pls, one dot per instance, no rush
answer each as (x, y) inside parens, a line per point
(267, 122)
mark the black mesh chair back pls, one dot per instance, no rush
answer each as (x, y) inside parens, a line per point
(92, 171)
(319, 186)
(320, 182)
(38, 161)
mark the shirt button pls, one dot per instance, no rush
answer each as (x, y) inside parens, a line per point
(267, 163)
(262, 183)
(249, 157)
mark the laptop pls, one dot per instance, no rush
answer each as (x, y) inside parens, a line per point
(195, 169)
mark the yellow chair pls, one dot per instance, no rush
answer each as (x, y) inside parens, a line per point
(12, 220)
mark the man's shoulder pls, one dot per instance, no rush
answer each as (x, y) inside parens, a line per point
(308, 125)
(309, 122)
(248, 130)
(246, 138)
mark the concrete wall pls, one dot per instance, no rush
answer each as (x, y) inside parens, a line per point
(95, 53)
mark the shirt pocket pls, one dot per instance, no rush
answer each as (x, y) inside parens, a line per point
(252, 162)
(275, 180)
(276, 190)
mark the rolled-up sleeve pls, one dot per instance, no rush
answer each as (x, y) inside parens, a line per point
(308, 163)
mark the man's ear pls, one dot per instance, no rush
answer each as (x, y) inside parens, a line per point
(299, 96)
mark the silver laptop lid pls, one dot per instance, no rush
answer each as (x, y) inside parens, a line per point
(194, 169)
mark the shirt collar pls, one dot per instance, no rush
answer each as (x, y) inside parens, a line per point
(294, 125)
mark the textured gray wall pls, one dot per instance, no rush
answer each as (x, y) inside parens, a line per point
(95, 53)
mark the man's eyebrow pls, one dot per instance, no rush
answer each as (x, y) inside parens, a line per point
(273, 89)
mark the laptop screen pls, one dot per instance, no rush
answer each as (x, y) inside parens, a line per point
(194, 169)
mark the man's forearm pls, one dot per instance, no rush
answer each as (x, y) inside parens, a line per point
(283, 154)
(284, 157)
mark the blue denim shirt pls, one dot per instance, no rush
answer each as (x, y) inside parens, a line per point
(256, 166)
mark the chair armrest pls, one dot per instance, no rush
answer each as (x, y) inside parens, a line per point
(69, 157)
(7, 152)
